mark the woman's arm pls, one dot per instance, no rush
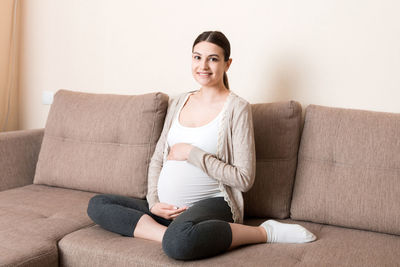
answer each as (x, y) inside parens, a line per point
(155, 166)
(241, 173)
(156, 161)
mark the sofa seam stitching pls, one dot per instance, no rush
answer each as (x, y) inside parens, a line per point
(72, 140)
(35, 257)
(365, 165)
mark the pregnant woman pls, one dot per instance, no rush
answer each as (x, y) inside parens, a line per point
(203, 161)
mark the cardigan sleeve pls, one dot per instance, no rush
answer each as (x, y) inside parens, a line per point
(156, 161)
(240, 173)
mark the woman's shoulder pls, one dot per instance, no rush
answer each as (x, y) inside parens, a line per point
(238, 102)
(178, 98)
(240, 113)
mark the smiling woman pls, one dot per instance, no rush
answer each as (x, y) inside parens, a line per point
(203, 161)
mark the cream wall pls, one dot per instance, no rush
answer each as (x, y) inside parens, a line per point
(342, 53)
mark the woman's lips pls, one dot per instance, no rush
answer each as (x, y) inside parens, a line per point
(204, 74)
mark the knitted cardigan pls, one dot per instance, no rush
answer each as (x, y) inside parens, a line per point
(234, 164)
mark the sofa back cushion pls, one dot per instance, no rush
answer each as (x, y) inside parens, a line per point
(101, 143)
(348, 172)
(277, 134)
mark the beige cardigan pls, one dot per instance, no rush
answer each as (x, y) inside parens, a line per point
(234, 164)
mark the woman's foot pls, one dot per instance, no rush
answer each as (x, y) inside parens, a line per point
(286, 233)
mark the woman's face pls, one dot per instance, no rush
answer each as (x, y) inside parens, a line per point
(208, 65)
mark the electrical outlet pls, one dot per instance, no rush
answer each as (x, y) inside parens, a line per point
(47, 97)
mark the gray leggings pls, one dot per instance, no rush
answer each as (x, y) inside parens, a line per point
(199, 232)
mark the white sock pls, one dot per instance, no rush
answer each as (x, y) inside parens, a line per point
(286, 233)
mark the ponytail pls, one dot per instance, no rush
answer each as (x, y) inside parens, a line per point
(226, 83)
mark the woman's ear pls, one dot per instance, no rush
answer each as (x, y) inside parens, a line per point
(228, 64)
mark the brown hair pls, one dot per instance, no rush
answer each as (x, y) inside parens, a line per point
(217, 38)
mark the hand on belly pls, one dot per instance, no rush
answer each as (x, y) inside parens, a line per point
(179, 151)
(167, 211)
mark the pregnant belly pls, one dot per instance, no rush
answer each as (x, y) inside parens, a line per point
(182, 184)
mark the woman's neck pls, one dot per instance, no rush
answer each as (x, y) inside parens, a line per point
(212, 94)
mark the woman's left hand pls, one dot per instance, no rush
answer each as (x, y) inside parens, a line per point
(179, 151)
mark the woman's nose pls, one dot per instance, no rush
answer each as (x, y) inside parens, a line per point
(204, 64)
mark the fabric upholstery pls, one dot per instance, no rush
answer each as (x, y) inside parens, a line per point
(19, 151)
(101, 143)
(335, 247)
(277, 129)
(27, 252)
(338, 246)
(33, 218)
(348, 171)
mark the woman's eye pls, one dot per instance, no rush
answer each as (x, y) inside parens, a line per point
(214, 59)
(196, 57)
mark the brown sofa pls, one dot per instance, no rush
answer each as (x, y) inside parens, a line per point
(339, 176)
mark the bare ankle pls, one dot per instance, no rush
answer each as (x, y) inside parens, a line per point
(264, 233)
(148, 228)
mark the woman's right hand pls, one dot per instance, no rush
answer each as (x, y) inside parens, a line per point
(167, 211)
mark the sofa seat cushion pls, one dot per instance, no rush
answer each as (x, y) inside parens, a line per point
(335, 246)
(95, 246)
(339, 246)
(19, 250)
(33, 218)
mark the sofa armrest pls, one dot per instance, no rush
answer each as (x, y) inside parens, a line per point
(19, 151)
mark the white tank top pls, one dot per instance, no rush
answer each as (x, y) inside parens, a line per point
(181, 183)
